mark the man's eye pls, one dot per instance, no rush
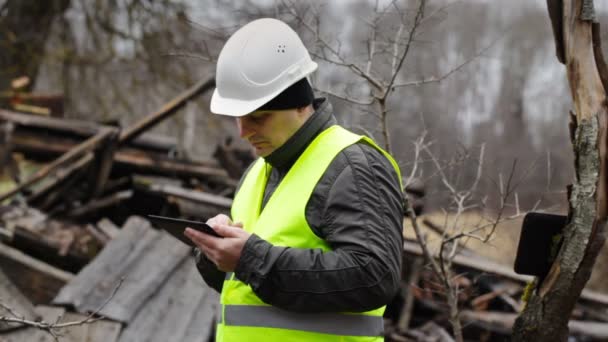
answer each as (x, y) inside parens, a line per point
(259, 118)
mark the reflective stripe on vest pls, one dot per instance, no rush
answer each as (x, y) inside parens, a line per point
(324, 323)
(282, 222)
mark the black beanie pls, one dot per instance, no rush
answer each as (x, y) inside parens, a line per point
(297, 95)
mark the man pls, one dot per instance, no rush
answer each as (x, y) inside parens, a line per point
(312, 251)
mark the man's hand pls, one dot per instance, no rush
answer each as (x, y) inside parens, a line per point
(224, 253)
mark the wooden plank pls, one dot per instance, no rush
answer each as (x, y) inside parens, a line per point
(11, 297)
(108, 227)
(180, 308)
(140, 255)
(60, 176)
(35, 264)
(104, 160)
(98, 331)
(36, 279)
(206, 315)
(77, 127)
(100, 203)
(77, 151)
(131, 159)
(167, 110)
(133, 237)
(191, 195)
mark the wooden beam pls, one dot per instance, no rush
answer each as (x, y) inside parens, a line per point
(100, 203)
(104, 160)
(26, 124)
(35, 264)
(84, 147)
(167, 110)
(192, 195)
(58, 177)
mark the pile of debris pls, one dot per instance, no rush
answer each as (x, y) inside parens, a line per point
(76, 246)
(81, 178)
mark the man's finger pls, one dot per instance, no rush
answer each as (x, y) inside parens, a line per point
(228, 231)
(200, 238)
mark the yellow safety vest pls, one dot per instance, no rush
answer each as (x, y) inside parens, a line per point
(245, 317)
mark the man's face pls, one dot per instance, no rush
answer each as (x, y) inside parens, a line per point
(268, 130)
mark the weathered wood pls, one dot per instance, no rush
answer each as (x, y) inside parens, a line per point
(7, 161)
(36, 279)
(199, 211)
(167, 110)
(58, 177)
(54, 127)
(53, 103)
(103, 164)
(81, 149)
(182, 310)
(191, 195)
(101, 203)
(76, 127)
(11, 297)
(38, 266)
(140, 255)
(131, 160)
(108, 227)
(141, 162)
(408, 305)
(97, 234)
(546, 315)
(98, 331)
(485, 265)
(206, 315)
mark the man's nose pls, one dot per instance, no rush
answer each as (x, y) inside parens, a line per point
(244, 128)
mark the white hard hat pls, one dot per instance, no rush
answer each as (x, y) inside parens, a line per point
(257, 63)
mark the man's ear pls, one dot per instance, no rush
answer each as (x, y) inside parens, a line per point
(305, 111)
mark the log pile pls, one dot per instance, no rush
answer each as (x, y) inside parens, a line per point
(489, 301)
(65, 185)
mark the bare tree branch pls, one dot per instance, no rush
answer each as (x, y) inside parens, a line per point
(434, 79)
(52, 328)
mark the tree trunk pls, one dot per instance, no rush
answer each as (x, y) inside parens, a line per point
(548, 310)
(24, 27)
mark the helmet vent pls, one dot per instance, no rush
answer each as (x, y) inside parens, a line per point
(281, 49)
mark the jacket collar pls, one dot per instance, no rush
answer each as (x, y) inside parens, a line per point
(284, 157)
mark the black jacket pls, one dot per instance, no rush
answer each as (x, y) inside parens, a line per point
(357, 207)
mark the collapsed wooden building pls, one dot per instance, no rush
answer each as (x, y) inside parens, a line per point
(76, 247)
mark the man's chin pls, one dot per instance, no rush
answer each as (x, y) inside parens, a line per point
(263, 152)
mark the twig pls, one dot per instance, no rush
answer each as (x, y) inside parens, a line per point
(52, 327)
(434, 79)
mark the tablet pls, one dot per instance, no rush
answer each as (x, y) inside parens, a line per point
(176, 227)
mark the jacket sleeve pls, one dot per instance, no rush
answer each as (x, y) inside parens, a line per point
(211, 275)
(357, 207)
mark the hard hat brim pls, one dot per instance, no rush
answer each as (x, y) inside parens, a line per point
(237, 108)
